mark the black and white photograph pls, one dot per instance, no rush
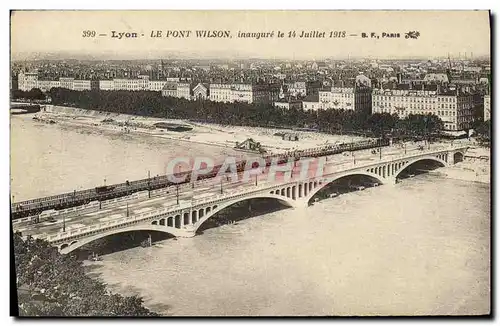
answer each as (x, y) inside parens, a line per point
(250, 163)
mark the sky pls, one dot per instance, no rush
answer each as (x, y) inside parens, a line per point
(61, 32)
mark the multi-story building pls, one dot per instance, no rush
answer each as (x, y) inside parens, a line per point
(456, 110)
(106, 85)
(184, 91)
(67, 82)
(94, 84)
(356, 98)
(169, 89)
(221, 93)
(47, 85)
(247, 93)
(297, 89)
(81, 85)
(275, 92)
(363, 99)
(176, 89)
(309, 105)
(27, 80)
(337, 98)
(156, 85)
(487, 108)
(143, 82)
(251, 93)
(453, 107)
(312, 88)
(242, 93)
(288, 105)
(126, 84)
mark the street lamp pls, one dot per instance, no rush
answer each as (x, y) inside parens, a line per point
(127, 210)
(177, 186)
(221, 190)
(380, 148)
(354, 158)
(64, 223)
(177, 192)
(149, 184)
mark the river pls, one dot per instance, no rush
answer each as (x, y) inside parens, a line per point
(420, 247)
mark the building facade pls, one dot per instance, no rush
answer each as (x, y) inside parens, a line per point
(169, 89)
(183, 91)
(200, 92)
(487, 108)
(357, 98)
(47, 85)
(311, 106)
(245, 93)
(27, 81)
(337, 98)
(297, 89)
(221, 93)
(288, 105)
(81, 85)
(454, 108)
(106, 85)
(156, 85)
(67, 82)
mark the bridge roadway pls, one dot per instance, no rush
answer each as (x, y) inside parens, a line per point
(207, 188)
(36, 206)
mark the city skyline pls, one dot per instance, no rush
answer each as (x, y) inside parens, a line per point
(441, 33)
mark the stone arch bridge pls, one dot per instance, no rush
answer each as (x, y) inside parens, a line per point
(183, 220)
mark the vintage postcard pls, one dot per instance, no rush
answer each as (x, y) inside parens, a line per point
(250, 163)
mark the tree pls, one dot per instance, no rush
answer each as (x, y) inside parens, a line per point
(483, 130)
(51, 284)
(379, 123)
(148, 103)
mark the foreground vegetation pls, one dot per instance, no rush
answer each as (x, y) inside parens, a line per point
(51, 284)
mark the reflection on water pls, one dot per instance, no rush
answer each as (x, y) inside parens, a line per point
(419, 247)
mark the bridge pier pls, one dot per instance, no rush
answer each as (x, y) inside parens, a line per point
(301, 203)
(186, 233)
(182, 221)
(391, 181)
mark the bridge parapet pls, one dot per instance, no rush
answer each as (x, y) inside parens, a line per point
(239, 193)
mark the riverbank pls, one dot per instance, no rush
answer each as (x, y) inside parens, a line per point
(202, 133)
(475, 167)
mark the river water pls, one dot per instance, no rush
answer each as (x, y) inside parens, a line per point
(420, 247)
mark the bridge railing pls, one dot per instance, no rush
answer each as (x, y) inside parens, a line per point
(173, 209)
(119, 221)
(236, 193)
(70, 196)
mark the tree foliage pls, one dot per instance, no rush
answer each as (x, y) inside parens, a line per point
(483, 130)
(146, 103)
(33, 94)
(51, 284)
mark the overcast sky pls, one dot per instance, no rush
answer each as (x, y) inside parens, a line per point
(441, 32)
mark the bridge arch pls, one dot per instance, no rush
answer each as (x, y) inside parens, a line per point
(458, 157)
(419, 159)
(66, 248)
(217, 208)
(328, 181)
